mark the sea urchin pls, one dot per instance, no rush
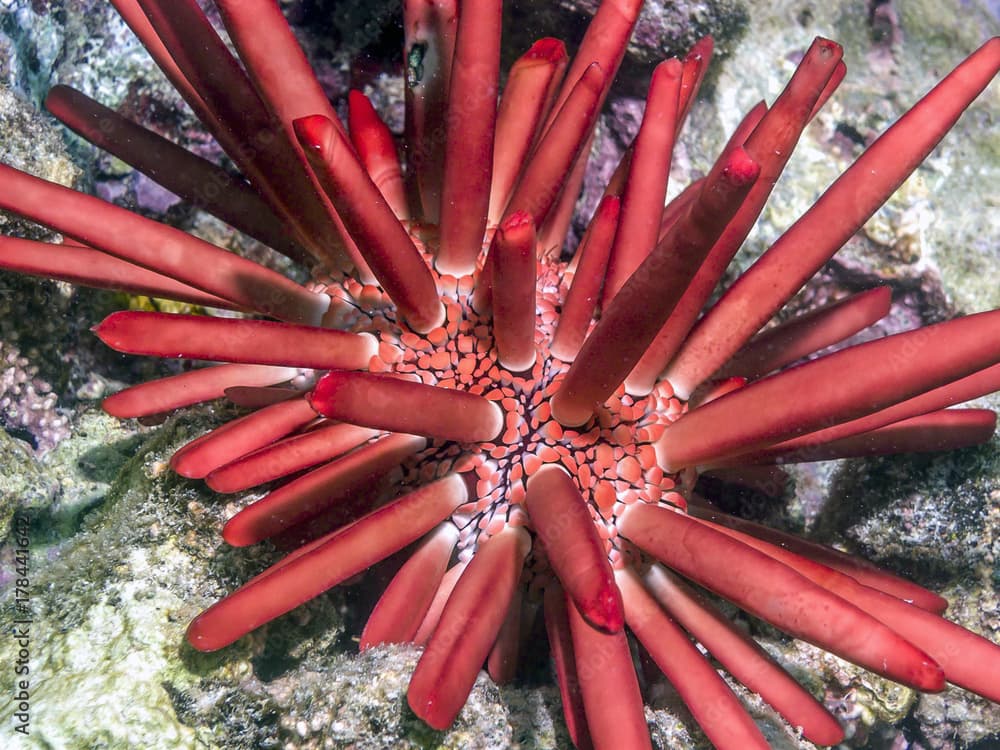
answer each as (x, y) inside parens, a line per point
(533, 427)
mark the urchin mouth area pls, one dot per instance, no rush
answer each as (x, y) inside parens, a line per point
(611, 458)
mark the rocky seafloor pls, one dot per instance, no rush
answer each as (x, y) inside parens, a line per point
(123, 553)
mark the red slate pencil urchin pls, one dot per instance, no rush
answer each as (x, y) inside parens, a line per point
(443, 382)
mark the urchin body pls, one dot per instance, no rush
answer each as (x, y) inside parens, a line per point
(524, 425)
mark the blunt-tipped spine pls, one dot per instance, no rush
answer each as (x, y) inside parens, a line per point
(382, 240)
(712, 703)
(514, 281)
(741, 656)
(207, 384)
(288, 456)
(178, 170)
(562, 520)
(134, 15)
(561, 648)
(468, 627)
(471, 122)
(857, 568)
(769, 137)
(429, 28)
(608, 686)
(406, 600)
(777, 593)
(603, 43)
(538, 187)
(275, 61)
(695, 66)
(308, 495)
(502, 662)
(647, 298)
(239, 437)
(261, 342)
(800, 448)
(274, 165)
(943, 430)
(808, 333)
(967, 660)
(829, 223)
(88, 267)
(531, 87)
(646, 187)
(377, 151)
(440, 598)
(325, 563)
(845, 385)
(390, 403)
(585, 289)
(159, 248)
